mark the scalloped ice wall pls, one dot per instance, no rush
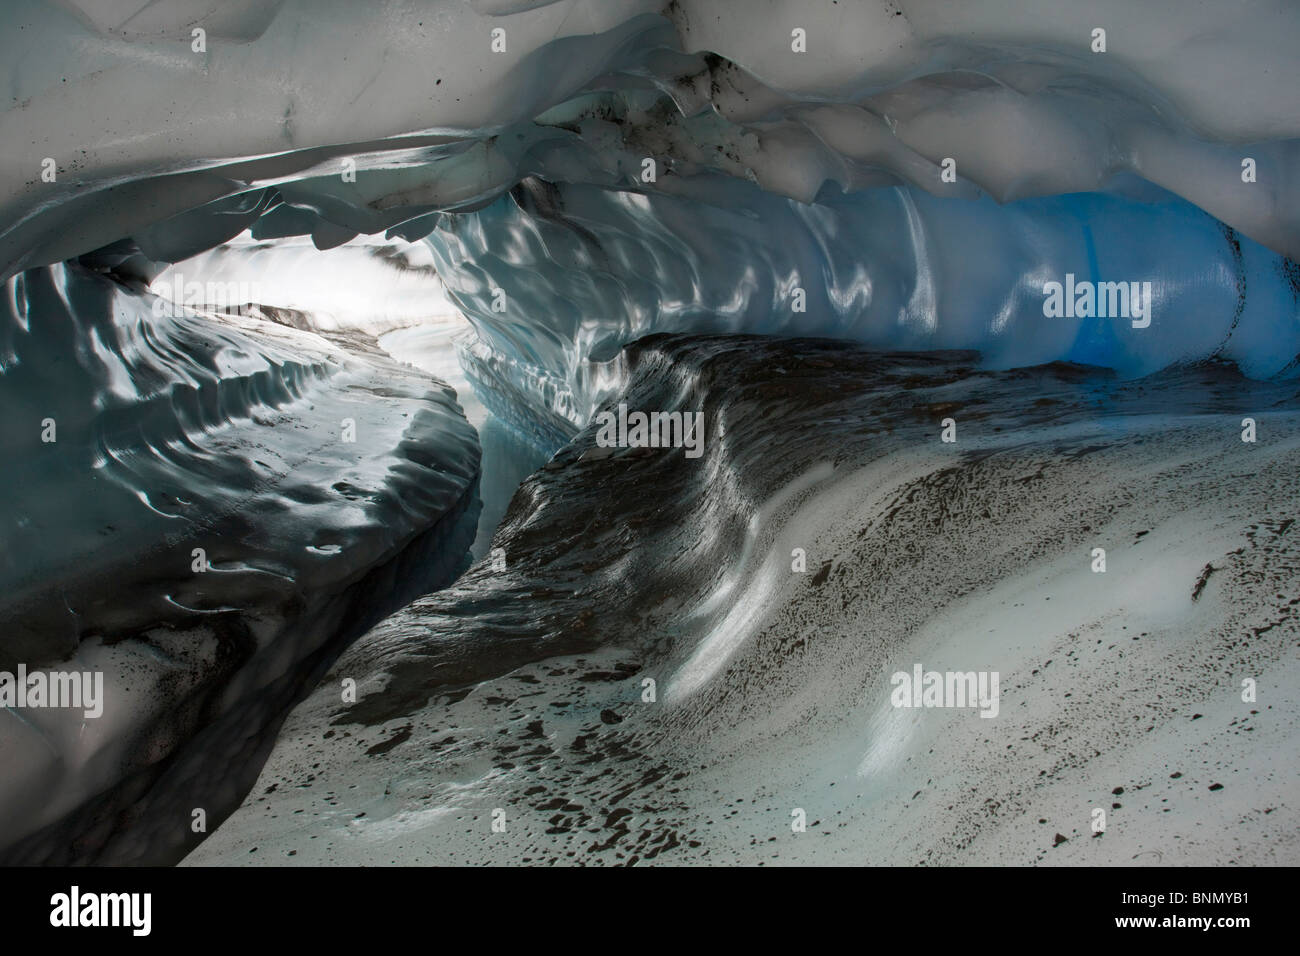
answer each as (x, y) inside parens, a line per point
(776, 170)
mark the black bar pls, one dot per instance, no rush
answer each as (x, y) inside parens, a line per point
(962, 907)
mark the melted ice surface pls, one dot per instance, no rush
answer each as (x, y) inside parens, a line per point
(433, 116)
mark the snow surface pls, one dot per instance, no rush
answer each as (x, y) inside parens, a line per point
(524, 690)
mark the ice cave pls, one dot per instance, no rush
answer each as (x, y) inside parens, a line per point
(350, 354)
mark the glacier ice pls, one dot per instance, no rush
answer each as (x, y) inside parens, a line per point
(535, 184)
(776, 170)
(179, 146)
(210, 505)
(891, 267)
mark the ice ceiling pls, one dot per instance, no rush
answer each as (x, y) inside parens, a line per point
(795, 146)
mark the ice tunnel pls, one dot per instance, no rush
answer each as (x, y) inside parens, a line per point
(313, 313)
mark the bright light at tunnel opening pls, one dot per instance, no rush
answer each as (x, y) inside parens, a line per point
(369, 284)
